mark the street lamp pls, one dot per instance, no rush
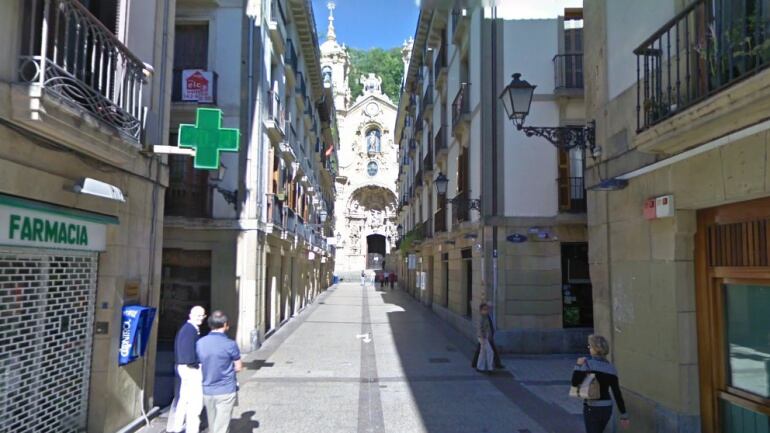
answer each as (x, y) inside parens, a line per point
(442, 182)
(517, 99)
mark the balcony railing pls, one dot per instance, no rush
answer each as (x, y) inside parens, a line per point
(188, 192)
(461, 105)
(440, 221)
(440, 141)
(427, 228)
(572, 194)
(427, 99)
(439, 66)
(70, 53)
(291, 56)
(275, 210)
(301, 87)
(459, 24)
(275, 110)
(427, 162)
(461, 208)
(709, 46)
(568, 71)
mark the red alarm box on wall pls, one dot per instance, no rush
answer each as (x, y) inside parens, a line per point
(649, 209)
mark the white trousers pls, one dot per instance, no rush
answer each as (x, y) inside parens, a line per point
(186, 408)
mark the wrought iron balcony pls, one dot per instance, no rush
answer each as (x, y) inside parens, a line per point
(461, 108)
(418, 179)
(276, 121)
(275, 210)
(188, 193)
(71, 54)
(427, 228)
(709, 46)
(277, 26)
(440, 221)
(572, 194)
(461, 206)
(568, 71)
(427, 162)
(440, 142)
(290, 59)
(440, 65)
(459, 24)
(427, 100)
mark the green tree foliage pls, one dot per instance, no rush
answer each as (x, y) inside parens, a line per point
(385, 63)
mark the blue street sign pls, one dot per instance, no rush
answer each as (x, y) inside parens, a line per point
(516, 238)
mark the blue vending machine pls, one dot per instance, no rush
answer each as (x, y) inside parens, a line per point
(135, 328)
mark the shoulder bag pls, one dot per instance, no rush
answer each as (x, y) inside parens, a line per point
(588, 389)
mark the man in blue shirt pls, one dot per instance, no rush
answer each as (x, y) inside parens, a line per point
(220, 360)
(188, 400)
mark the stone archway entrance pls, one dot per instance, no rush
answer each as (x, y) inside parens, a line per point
(367, 230)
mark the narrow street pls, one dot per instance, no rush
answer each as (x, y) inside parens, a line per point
(377, 361)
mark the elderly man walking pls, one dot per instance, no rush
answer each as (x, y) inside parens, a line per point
(220, 360)
(188, 399)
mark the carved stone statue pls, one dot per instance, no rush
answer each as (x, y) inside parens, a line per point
(371, 83)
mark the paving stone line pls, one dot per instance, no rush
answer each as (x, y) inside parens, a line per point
(370, 416)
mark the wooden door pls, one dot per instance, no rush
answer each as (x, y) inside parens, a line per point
(733, 315)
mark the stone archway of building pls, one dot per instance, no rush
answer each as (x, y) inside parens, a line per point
(375, 251)
(367, 229)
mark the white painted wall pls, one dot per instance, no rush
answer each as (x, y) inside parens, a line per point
(629, 23)
(535, 9)
(531, 163)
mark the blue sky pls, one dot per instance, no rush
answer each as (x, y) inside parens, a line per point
(368, 23)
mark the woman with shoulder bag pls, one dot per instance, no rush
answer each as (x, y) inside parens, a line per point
(597, 409)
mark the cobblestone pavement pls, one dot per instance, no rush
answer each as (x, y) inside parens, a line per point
(364, 360)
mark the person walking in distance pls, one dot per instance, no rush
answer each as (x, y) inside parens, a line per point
(220, 360)
(392, 277)
(597, 413)
(486, 328)
(363, 279)
(188, 397)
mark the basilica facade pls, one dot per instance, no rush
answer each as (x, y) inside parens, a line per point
(366, 202)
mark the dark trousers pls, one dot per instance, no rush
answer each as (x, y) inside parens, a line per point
(596, 418)
(478, 351)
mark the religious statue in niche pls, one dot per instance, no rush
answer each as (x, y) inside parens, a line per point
(326, 72)
(373, 141)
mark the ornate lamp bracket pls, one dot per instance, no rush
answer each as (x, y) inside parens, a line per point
(567, 137)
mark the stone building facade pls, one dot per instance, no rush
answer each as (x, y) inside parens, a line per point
(365, 229)
(81, 207)
(251, 238)
(682, 287)
(511, 228)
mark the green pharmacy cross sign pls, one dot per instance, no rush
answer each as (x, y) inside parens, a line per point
(208, 138)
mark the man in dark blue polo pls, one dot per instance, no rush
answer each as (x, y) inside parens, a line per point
(188, 400)
(220, 360)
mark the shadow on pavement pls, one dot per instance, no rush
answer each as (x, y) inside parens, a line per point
(436, 362)
(258, 364)
(244, 424)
